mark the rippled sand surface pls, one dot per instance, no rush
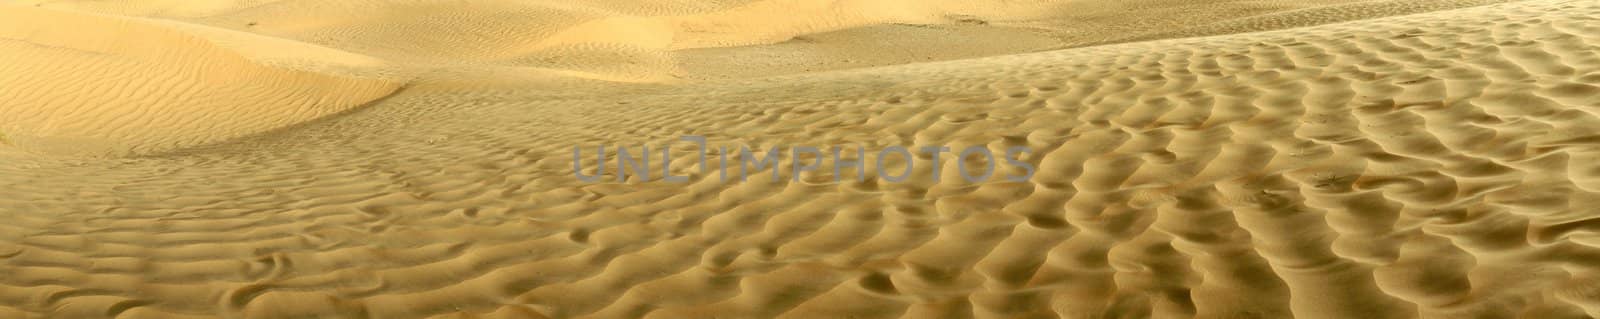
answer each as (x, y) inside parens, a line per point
(413, 159)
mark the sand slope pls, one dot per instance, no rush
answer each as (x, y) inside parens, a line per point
(86, 84)
(1437, 165)
(665, 40)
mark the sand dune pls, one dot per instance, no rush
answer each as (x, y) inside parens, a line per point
(665, 40)
(1306, 159)
(86, 84)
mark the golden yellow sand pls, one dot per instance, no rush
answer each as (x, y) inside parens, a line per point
(412, 159)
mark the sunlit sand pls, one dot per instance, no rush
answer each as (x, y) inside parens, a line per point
(1183, 159)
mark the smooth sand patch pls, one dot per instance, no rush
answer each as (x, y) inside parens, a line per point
(87, 84)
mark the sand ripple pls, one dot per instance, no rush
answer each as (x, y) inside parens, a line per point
(1437, 165)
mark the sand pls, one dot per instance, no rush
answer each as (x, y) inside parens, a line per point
(413, 159)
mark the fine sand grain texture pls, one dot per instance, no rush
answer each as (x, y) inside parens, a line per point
(414, 159)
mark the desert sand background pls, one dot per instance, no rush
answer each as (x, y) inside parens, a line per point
(412, 159)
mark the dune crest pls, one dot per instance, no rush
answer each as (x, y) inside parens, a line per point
(86, 84)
